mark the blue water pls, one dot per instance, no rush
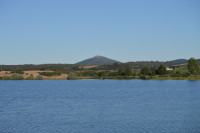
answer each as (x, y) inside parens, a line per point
(100, 106)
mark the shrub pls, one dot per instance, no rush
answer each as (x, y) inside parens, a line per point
(18, 70)
(163, 76)
(50, 73)
(72, 76)
(186, 74)
(134, 74)
(5, 78)
(16, 76)
(39, 77)
(30, 77)
(89, 73)
(79, 74)
(143, 77)
(145, 70)
(177, 74)
(96, 77)
(128, 71)
(101, 74)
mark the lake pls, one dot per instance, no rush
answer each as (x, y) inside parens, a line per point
(100, 106)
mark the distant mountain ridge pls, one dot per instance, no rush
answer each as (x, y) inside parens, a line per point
(104, 60)
(182, 60)
(179, 60)
(98, 60)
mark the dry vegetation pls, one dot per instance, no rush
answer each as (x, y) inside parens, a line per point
(35, 74)
(88, 67)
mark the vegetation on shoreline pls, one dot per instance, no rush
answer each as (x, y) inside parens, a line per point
(189, 71)
(56, 73)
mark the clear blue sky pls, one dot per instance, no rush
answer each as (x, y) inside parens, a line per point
(68, 31)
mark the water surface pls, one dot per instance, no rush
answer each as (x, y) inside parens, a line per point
(90, 106)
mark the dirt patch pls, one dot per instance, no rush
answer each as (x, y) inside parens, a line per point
(88, 67)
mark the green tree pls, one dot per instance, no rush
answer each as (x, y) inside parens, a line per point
(128, 71)
(101, 74)
(145, 70)
(30, 77)
(5, 77)
(16, 76)
(39, 77)
(89, 73)
(18, 70)
(193, 66)
(72, 76)
(134, 74)
(78, 74)
(120, 72)
(161, 70)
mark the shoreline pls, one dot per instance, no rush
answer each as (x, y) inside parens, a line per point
(104, 79)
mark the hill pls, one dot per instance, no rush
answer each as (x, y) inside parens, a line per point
(98, 60)
(179, 60)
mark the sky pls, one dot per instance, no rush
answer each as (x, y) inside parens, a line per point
(68, 31)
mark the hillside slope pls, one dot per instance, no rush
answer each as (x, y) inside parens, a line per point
(98, 60)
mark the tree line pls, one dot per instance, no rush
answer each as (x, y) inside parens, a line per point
(64, 68)
(115, 71)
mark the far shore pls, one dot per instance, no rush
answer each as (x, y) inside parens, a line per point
(35, 73)
(65, 77)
